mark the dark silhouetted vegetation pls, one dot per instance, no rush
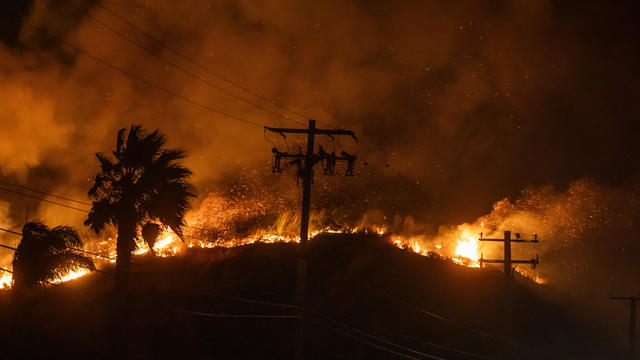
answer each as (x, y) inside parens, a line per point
(150, 233)
(359, 279)
(45, 255)
(142, 182)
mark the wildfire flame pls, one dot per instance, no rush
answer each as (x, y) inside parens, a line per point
(73, 274)
(6, 280)
(467, 251)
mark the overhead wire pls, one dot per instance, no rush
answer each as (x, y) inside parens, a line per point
(72, 248)
(193, 75)
(361, 340)
(42, 199)
(251, 301)
(442, 347)
(44, 193)
(439, 346)
(197, 64)
(478, 332)
(77, 209)
(86, 267)
(140, 79)
(382, 340)
(216, 315)
(74, 208)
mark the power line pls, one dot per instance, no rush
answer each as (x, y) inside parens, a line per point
(41, 199)
(94, 254)
(216, 315)
(193, 75)
(11, 231)
(384, 341)
(138, 78)
(72, 248)
(442, 318)
(181, 55)
(44, 193)
(481, 333)
(442, 347)
(86, 267)
(8, 247)
(70, 207)
(361, 340)
(251, 301)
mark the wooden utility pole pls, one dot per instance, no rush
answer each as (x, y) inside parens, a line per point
(632, 320)
(508, 261)
(305, 163)
(508, 276)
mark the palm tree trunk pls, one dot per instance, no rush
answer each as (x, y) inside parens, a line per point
(124, 247)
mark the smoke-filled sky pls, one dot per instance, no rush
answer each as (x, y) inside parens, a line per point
(456, 105)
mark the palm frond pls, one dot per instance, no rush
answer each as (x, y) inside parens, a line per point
(44, 254)
(119, 143)
(102, 213)
(144, 182)
(169, 204)
(150, 233)
(64, 237)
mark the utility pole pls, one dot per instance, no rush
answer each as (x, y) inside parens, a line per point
(507, 261)
(508, 276)
(305, 163)
(632, 320)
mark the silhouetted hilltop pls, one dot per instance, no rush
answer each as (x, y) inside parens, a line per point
(366, 300)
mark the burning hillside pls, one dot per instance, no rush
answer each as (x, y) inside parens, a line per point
(560, 219)
(360, 280)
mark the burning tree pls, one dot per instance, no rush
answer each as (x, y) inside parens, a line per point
(142, 182)
(45, 255)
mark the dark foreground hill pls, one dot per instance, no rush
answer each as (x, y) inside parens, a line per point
(366, 299)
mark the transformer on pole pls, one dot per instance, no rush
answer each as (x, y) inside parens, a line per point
(305, 163)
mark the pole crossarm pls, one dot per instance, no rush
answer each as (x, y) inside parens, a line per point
(314, 131)
(305, 163)
(516, 240)
(507, 261)
(495, 261)
(533, 262)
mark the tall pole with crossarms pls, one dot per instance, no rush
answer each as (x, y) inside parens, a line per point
(305, 163)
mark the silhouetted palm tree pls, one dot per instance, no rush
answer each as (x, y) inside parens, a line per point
(44, 254)
(142, 182)
(150, 233)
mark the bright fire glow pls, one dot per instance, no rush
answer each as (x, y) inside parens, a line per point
(5, 280)
(467, 251)
(73, 274)
(463, 250)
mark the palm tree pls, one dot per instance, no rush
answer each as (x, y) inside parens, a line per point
(44, 255)
(150, 233)
(142, 182)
